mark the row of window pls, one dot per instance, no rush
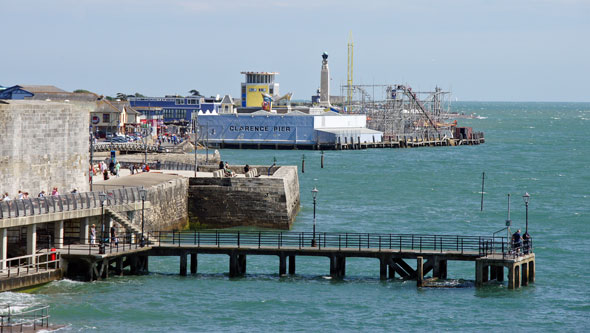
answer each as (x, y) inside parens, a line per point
(188, 101)
(260, 78)
(174, 113)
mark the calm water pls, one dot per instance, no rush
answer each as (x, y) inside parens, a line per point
(540, 148)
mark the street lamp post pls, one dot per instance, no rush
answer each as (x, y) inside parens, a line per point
(526, 197)
(314, 193)
(101, 247)
(142, 194)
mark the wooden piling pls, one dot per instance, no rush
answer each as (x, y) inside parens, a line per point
(420, 271)
(194, 263)
(183, 264)
(282, 264)
(291, 264)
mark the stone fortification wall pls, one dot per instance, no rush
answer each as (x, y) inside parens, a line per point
(43, 145)
(270, 202)
(168, 209)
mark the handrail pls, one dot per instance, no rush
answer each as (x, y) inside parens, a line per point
(28, 264)
(478, 245)
(36, 317)
(66, 202)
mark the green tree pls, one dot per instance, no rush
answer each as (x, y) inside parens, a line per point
(78, 91)
(195, 92)
(122, 96)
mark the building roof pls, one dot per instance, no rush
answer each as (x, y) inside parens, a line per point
(263, 73)
(344, 130)
(227, 100)
(42, 89)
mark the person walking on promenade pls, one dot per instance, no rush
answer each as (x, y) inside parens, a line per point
(93, 235)
(42, 194)
(6, 197)
(55, 192)
(20, 195)
(117, 168)
(114, 239)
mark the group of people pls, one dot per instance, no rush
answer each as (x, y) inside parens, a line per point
(114, 240)
(227, 172)
(25, 195)
(521, 243)
(134, 168)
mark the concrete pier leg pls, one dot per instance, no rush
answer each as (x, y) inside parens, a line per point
(500, 273)
(511, 277)
(3, 247)
(442, 270)
(282, 264)
(233, 265)
(193, 263)
(120, 266)
(517, 276)
(342, 266)
(291, 265)
(183, 264)
(478, 273)
(242, 263)
(382, 269)
(532, 271)
(59, 234)
(525, 274)
(391, 272)
(420, 271)
(492, 273)
(84, 230)
(146, 264)
(31, 240)
(485, 273)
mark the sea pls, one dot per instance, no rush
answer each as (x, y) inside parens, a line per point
(538, 148)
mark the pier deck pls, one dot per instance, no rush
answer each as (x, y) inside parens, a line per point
(431, 252)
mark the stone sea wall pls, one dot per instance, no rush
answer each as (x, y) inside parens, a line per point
(43, 145)
(269, 202)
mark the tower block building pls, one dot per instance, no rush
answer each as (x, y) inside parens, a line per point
(255, 84)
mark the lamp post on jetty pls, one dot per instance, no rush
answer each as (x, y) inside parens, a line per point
(526, 197)
(101, 246)
(142, 194)
(314, 193)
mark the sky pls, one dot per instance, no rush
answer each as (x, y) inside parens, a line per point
(481, 50)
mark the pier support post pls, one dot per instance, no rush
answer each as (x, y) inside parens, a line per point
(499, 273)
(532, 271)
(282, 264)
(241, 264)
(120, 266)
(485, 275)
(193, 263)
(391, 272)
(442, 270)
(84, 230)
(59, 234)
(420, 271)
(337, 266)
(233, 265)
(525, 274)
(183, 264)
(32, 241)
(382, 269)
(292, 264)
(478, 273)
(3, 247)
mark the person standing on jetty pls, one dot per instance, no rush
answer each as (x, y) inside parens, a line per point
(93, 235)
(517, 241)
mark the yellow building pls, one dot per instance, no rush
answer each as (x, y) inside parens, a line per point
(255, 84)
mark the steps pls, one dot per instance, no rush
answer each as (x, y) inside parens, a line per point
(126, 223)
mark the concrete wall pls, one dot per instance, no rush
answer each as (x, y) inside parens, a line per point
(169, 204)
(43, 145)
(270, 202)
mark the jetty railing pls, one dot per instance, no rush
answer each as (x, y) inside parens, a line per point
(66, 202)
(29, 320)
(165, 165)
(125, 242)
(479, 245)
(25, 265)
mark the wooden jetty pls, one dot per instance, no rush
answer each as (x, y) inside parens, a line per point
(431, 253)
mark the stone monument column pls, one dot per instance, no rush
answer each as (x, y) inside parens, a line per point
(325, 82)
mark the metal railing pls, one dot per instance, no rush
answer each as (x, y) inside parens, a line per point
(29, 264)
(507, 249)
(124, 242)
(29, 320)
(66, 202)
(479, 245)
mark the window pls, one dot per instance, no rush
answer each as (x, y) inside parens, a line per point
(191, 101)
(106, 117)
(252, 89)
(262, 89)
(180, 102)
(270, 90)
(243, 90)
